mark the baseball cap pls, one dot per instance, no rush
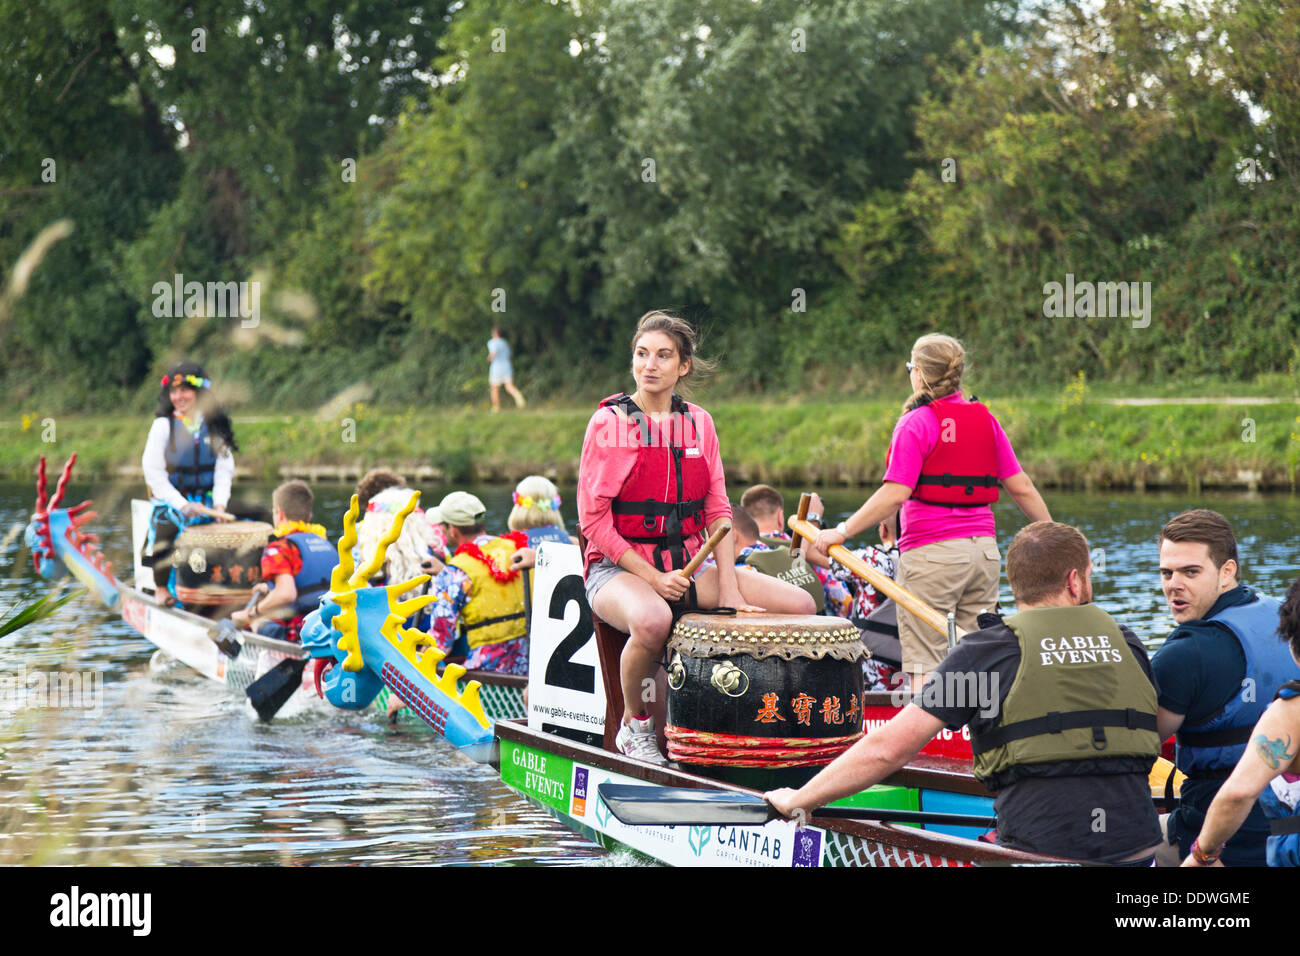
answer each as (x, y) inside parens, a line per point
(459, 509)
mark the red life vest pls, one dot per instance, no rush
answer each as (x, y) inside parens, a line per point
(962, 472)
(662, 501)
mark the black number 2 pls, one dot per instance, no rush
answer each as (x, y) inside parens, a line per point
(561, 671)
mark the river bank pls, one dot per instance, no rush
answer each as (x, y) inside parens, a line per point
(1071, 441)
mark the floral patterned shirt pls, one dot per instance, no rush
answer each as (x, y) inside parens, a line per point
(453, 590)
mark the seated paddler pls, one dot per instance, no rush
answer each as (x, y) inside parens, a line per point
(298, 560)
(1267, 774)
(480, 591)
(650, 487)
(1061, 706)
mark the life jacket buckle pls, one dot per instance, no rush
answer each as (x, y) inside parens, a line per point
(1054, 722)
(1099, 738)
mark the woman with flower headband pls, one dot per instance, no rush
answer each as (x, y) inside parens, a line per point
(536, 512)
(188, 464)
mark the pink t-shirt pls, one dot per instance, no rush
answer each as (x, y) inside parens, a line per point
(609, 451)
(915, 436)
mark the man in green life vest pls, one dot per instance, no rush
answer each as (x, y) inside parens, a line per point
(765, 512)
(1062, 714)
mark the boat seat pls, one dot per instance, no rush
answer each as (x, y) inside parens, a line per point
(609, 649)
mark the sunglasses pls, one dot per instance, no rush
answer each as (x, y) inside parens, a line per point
(910, 366)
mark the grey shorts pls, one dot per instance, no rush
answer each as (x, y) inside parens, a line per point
(599, 574)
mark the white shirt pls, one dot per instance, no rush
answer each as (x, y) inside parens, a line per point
(154, 464)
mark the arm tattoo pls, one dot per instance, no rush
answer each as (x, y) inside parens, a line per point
(1274, 752)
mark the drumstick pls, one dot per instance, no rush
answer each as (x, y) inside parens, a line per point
(703, 553)
(880, 582)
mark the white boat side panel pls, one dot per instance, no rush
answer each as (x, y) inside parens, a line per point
(570, 787)
(183, 636)
(140, 511)
(565, 687)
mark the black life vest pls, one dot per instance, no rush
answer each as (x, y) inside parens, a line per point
(190, 462)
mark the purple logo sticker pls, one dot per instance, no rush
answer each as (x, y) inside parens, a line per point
(807, 847)
(579, 807)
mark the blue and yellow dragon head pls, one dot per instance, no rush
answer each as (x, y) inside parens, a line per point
(360, 642)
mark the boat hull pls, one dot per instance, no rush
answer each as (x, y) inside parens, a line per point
(561, 776)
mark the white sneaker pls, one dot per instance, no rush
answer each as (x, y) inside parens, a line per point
(637, 740)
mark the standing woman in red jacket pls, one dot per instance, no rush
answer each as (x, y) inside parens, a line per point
(946, 460)
(650, 488)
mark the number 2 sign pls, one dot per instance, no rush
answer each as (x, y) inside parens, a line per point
(565, 692)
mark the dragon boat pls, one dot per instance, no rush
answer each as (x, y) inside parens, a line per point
(560, 755)
(61, 545)
(561, 758)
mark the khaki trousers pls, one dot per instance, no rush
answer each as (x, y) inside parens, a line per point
(960, 574)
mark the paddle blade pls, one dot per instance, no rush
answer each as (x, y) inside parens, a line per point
(227, 638)
(672, 806)
(269, 692)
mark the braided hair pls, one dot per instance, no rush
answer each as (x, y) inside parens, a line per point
(941, 360)
(219, 426)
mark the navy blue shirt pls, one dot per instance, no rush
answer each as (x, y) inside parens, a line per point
(1198, 675)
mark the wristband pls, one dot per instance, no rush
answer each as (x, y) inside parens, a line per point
(1201, 856)
(843, 528)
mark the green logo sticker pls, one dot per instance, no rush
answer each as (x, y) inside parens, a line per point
(542, 776)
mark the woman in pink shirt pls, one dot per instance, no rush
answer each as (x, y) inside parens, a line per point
(650, 488)
(946, 459)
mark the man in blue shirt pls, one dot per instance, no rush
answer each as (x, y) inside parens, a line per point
(1216, 673)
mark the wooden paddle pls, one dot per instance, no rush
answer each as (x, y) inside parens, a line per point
(680, 806)
(803, 528)
(694, 564)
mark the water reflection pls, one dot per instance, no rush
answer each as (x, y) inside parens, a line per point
(168, 768)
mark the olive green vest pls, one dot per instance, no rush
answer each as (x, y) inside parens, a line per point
(778, 564)
(1079, 695)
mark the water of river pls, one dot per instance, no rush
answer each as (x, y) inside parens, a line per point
(165, 768)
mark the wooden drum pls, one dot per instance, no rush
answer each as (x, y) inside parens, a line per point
(763, 699)
(217, 564)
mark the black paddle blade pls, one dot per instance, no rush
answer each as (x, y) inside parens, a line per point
(269, 692)
(673, 806)
(683, 806)
(228, 639)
